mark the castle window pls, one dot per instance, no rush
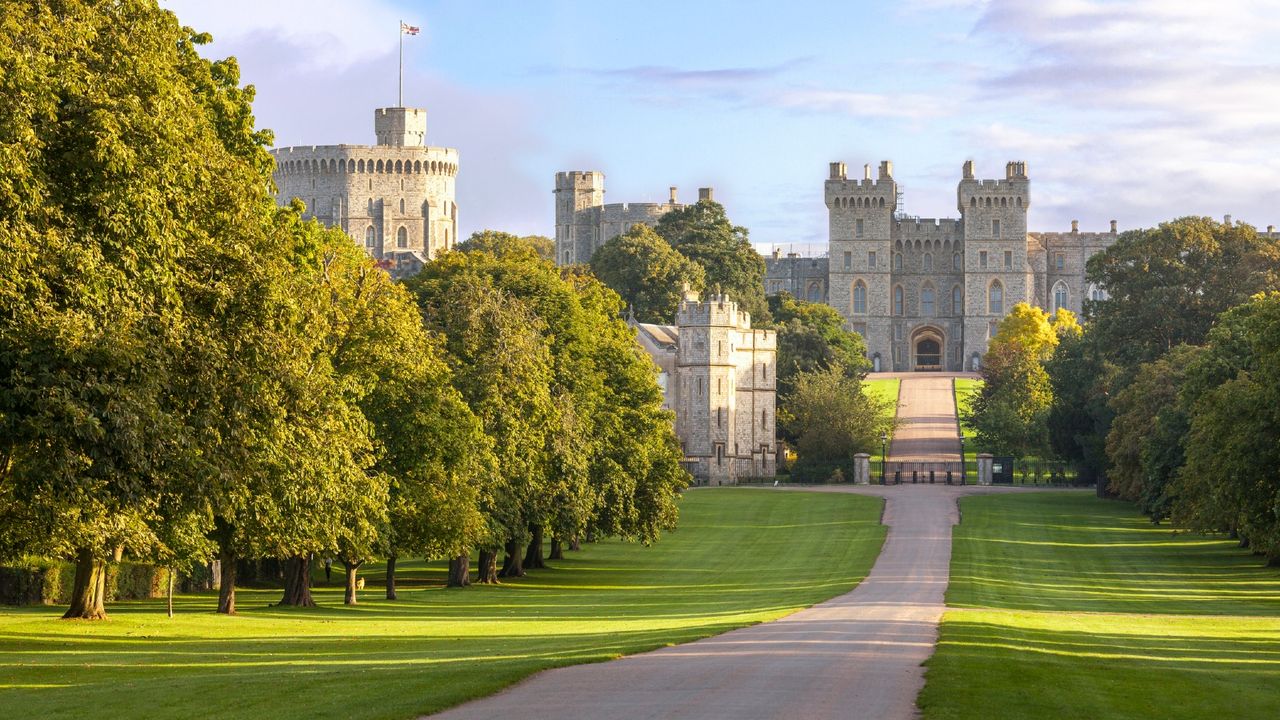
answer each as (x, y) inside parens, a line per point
(370, 236)
(401, 206)
(719, 386)
(360, 166)
(815, 292)
(995, 228)
(1019, 201)
(859, 298)
(988, 202)
(1004, 202)
(927, 301)
(897, 261)
(897, 335)
(1096, 293)
(897, 300)
(402, 238)
(1059, 261)
(928, 262)
(955, 261)
(957, 301)
(764, 418)
(992, 328)
(699, 387)
(1059, 295)
(1008, 259)
(848, 260)
(982, 259)
(871, 259)
(973, 202)
(719, 417)
(857, 228)
(995, 298)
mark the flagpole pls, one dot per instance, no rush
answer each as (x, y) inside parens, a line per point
(401, 95)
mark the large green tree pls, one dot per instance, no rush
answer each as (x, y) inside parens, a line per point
(702, 232)
(812, 336)
(1081, 381)
(647, 272)
(832, 419)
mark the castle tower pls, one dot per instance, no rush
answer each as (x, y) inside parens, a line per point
(576, 191)
(400, 127)
(998, 271)
(860, 230)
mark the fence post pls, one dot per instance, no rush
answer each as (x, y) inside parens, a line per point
(861, 469)
(984, 468)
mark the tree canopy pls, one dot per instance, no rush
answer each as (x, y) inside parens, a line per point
(647, 273)
(702, 232)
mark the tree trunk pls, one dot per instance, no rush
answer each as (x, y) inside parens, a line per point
(460, 570)
(533, 556)
(487, 570)
(513, 563)
(87, 601)
(297, 582)
(391, 578)
(170, 592)
(227, 582)
(352, 568)
(574, 545)
(557, 549)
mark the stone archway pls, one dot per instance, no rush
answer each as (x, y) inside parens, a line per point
(928, 349)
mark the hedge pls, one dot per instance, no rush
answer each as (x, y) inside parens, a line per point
(39, 581)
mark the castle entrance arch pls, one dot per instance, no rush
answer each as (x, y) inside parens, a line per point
(927, 349)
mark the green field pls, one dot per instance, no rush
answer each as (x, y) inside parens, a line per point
(1080, 608)
(739, 557)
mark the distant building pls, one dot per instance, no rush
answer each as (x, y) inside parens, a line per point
(802, 277)
(719, 376)
(584, 222)
(396, 198)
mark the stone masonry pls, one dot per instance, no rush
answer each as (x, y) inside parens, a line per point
(396, 198)
(719, 377)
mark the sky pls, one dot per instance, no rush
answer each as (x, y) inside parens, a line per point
(1138, 111)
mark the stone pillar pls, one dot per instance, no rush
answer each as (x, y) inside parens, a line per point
(984, 468)
(861, 469)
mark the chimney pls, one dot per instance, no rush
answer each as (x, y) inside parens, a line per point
(673, 195)
(1226, 220)
(968, 169)
(777, 252)
(1075, 226)
(866, 171)
(886, 170)
(1271, 228)
(706, 194)
(1113, 227)
(837, 171)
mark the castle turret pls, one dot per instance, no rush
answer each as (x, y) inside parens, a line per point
(576, 191)
(999, 271)
(860, 225)
(401, 127)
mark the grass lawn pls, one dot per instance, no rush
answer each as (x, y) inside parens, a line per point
(1067, 606)
(885, 389)
(740, 557)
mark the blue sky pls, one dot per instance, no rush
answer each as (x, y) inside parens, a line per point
(1136, 111)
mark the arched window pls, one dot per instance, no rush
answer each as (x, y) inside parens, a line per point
(995, 298)
(370, 237)
(402, 238)
(1096, 293)
(401, 206)
(955, 261)
(897, 261)
(859, 298)
(928, 262)
(957, 301)
(815, 292)
(897, 300)
(973, 202)
(927, 301)
(1059, 295)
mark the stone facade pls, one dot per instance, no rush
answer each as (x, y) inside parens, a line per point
(584, 222)
(396, 198)
(927, 294)
(802, 277)
(719, 377)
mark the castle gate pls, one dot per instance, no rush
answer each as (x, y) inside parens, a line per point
(927, 349)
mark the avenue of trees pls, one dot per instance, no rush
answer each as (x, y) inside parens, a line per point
(188, 371)
(1168, 394)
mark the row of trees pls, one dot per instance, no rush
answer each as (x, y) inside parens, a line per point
(188, 371)
(1168, 397)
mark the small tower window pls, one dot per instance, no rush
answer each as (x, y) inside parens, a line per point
(871, 260)
(928, 262)
(1059, 261)
(370, 237)
(955, 261)
(401, 206)
(957, 300)
(995, 228)
(897, 261)
(859, 298)
(857, 228)
(402, 238)
(927, 301)
(1008, 259)
(848, 260)
(1059, 296)
(897, 300)
(995, 298)
(982, 259)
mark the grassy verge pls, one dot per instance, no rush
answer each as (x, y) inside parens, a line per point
(1080, 608)
(886, 390)
(740, 557)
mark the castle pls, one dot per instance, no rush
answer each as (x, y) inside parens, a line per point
(584, 222)
(720, 377)
(395, 199)
(928, 294)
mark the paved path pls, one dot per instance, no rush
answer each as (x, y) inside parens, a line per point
(855, 656)
(927, 406)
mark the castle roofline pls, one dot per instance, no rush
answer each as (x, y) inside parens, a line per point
(388, 148)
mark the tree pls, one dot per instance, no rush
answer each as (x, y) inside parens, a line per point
(647, 272)
(1010, 413)
(1231, 393)
(702, 232)
(832, 419)
(1167, 284)
(1082, 383)
(812, 336)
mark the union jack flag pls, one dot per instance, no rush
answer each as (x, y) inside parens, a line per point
(409, 29)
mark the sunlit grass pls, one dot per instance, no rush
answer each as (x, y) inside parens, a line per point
(886, 390)
(739, 557)
(1083, 609)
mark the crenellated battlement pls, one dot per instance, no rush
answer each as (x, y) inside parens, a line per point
(843, 193)
(317, 160)
(921, 228)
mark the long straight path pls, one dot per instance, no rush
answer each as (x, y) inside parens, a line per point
(856, 656)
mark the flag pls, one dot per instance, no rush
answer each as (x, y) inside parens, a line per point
(408, 29)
